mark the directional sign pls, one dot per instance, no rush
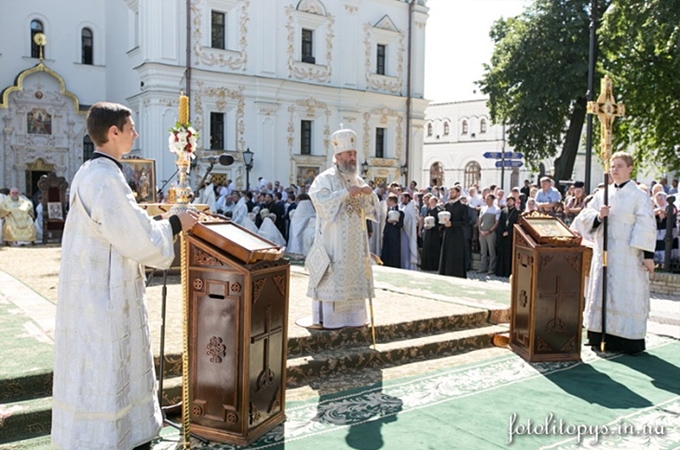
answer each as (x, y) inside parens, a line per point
(509, 163)
(499, 155)
(493, 155)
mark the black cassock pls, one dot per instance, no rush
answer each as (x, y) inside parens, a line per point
(432, 243)
(452, 261)
(507, 221)
(391, 246)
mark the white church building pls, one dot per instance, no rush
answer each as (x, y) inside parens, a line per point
(276, 77)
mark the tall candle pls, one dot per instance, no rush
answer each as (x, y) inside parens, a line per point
(183, 109)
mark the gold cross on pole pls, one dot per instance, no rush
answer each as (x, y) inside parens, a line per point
(607, 110)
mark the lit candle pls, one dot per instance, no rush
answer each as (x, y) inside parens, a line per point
(183, 109)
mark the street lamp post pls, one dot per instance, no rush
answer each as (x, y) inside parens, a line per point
(364, 168)
(248, 160)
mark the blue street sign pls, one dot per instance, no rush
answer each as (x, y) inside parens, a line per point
(493, 155)
(509, 163)
(499, 155)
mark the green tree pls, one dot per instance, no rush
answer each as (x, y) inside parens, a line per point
(537, 80)
(640, 41)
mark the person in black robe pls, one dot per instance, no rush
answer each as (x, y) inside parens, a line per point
(432, 240)
(507, 221)
(391, 247)
(452, 260)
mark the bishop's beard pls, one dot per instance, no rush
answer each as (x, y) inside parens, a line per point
(347, 167)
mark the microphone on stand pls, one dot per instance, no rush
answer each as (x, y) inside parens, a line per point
(222, 160)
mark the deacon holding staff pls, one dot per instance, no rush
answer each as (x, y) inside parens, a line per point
(343, 202)
(104, 393)
(631, 240)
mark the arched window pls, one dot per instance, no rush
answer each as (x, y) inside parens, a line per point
(465, 127)
(473, 173)
(437, 174)
(88, 148)
(36, 27)
(446, 128)
(86, 46)
(429, 129)
(482, 126)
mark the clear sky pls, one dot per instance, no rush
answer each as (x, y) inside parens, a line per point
(457, 43)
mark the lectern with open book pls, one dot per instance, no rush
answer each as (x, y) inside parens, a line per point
(548, 280)
(238, 314)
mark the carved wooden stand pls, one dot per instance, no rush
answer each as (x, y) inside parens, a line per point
(238, 314)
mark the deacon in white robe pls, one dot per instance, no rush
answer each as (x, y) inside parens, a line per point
(302, 224)
(631, 240)
(409, 233)
(343, 202)
(104, 392)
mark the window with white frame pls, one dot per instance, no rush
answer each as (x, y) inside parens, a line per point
(86, 46)
(380, 134)
(306, 137)
(307, 46)
(216, 131)
(218, 30)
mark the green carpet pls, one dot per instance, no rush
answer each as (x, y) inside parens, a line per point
(636, 400)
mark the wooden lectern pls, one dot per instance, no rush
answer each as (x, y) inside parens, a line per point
(238, 315)
(548, 281)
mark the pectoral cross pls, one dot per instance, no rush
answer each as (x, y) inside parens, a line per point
(607, 110)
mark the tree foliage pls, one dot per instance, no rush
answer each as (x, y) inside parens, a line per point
(640, 49)
(537, 77)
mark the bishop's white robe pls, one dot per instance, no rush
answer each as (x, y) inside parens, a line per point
(104, 394)
(631, 230)
(340, 296)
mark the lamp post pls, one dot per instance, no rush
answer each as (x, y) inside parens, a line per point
(248, 160)
(404, 172)
(364, 168)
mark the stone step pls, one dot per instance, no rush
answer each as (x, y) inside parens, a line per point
(25, 419)
(303, 370)
(319, 340)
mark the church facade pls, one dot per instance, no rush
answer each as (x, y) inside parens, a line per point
(276, 77)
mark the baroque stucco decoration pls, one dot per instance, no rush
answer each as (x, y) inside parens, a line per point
(375, 81)
(310, 109)
(40, 88)
(383, 116)
(233, 59)
(302, 70)
(222, 97)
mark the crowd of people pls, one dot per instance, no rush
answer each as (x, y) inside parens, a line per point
(434, 229)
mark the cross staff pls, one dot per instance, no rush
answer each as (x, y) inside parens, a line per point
(607, 110)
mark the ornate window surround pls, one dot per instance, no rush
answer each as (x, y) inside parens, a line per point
(236, 20)
(386, 33)
(319, 113)
(311, 15)
(392, 122)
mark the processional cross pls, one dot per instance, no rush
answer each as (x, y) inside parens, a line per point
(607, 111)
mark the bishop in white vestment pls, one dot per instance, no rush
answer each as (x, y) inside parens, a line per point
(343, 202)
(631, 238)
(104, 392)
